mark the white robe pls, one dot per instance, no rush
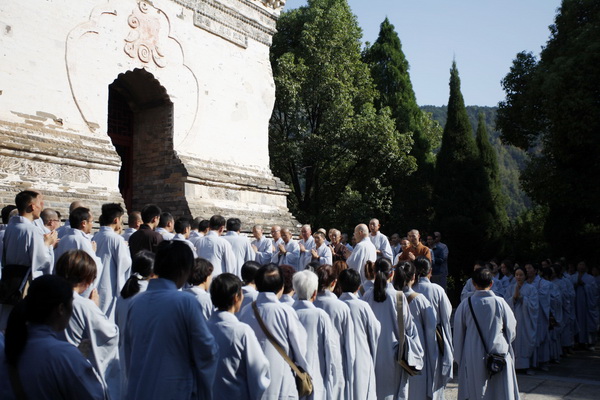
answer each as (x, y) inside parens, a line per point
(24, 245)
(116, 261)
(498, 325)
(363, 251)
(526, 314)
(88, 324)
(250, 294)
(283, 323)
(218, 252)
(55, 369)
(264, 250)
(569, 317)
(543, 288)
(169, 351)
(242, 250)
(204, 299)
(242, 369)
(323, 351)
(76, 239)
(392, 381)
(586, 307)
(306, 255)
(291, 256)
(165, 233)
(181, 238)
(128, 232)
(325, 256)
(381, 243)
(366, 331)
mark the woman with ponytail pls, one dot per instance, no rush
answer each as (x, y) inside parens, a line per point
(41, 366)
(391, 379)
(339, 312)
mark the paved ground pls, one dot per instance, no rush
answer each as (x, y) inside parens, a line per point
(577, 377)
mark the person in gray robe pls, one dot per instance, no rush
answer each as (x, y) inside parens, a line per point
(323, 343)
(287, 252)
(321, 253)
(498, 326)
(305, 244)
(543, 287)
(240, 244)
(217, 250)
(585, 305)
(261, 245)
(249, 270)
(242, 369)
(366, 331)
(200, 280)
(380, 241)
(363, 251)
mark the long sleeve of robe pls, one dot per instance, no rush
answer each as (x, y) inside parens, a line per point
(586, 307)
(264, 250)
(363, 251)
(218, 252)
(305, 256)
(291, 256)
(325, 255)
(242, 369)
(381, 243)
(24, 245)
(526, 314)
(204, 299)
(498, 325)
(241, 248)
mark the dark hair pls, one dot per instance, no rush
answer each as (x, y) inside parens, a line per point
(195, 223)
(234, 224)
(422, 266)
(369, 270)
(6, 212)
(339, 266)
(110, 211)
(522, 269)
(510, 266)
(79, 215)
(383, 270)
(24, 199)
(203, 225)
(216, 222)
(142, 266)
(181, 224)
(133, 217)
(349, 280)
(47, 214)
(164, 220)
(223, 290)
(405, 271)
(44, 295)
(149, 212)
(249, 271)
(326, 274)
(174, 259)
(547, 273)
(312, 266)
(269, 278)
(201, 271)
(557, 268)
(482, 278)
(76, 266)
(288, 273)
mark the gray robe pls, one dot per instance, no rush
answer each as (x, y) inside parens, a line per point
(204, 299)
(264, 250)
(526, 314)
(291, 257)
(363, 251)
(305, 256)
(218, 252)
(242, 250)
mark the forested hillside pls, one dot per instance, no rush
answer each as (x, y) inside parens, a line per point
(510, 158)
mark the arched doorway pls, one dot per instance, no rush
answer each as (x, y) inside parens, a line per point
(140, 125)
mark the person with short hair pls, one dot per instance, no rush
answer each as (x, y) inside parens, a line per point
(323, 345)
(215, 249)
(414, 249)
(305, 244)
(146, 238)
(276, 237)
(288, 252)
(249, 270)
(339, 251)
(195, 227)
(134, 221)
(498, 327)
(363, 251)
(242, 368)
(50, 219)
(585, 305)
(287, 296)
(164, 315)
(182, 230)
(261, 245)
(240, 244)
(63, 230)
(379, 240)
(366, 330)
(282, 322)
(321, 252)
(165, 226)
(200, 280)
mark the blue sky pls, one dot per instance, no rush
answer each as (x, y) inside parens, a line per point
(483, 36)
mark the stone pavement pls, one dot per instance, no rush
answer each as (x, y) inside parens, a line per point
(577, 377)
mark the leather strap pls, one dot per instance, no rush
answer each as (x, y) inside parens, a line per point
(400, 313)
(477, 325)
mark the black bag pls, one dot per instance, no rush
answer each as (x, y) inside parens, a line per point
(12, 284)
(494, 362)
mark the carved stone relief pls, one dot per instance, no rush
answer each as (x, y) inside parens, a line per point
(144, 38)
(44, 170)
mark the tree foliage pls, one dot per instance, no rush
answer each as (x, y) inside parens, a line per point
(552, 108)
(327, 140)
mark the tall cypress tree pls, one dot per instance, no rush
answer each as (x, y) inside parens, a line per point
(494, 219)
(389, 68)
(459, 178)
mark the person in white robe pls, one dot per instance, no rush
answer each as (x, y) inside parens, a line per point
(392, 380)
(134, 221)
(585, 305)
(89, 329)
(340, 315)
(183, 231)
(47, 367)
(63, 230)
(321, 253)
(288, 295)
(380, 241)
(240, 244)
(498, 326)
(217, 250)
(553, 347)
(261, 245)
(363, 251)
(114, 253)
(442, 308)
(543, 287)
(323, 343)
(288, 252)
(169, 350)
(166, 226)
(243, 371)
(424, 317)
(282, 322)
(507, 268)
(249, 270)
(305, 244)
(469, 288)
(366, 331)
(568, 294)
(522, 298)
(276, 237)
(199, 281)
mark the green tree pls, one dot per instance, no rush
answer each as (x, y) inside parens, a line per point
(327, 140)
(552, 109)
(459, 178)
(389, 69)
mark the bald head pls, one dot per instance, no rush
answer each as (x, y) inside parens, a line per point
(286, 235)
(74, 205)
(414, 237)
(360, 232)
(374, 226)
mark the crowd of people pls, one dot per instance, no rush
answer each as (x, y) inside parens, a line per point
(192, 308)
